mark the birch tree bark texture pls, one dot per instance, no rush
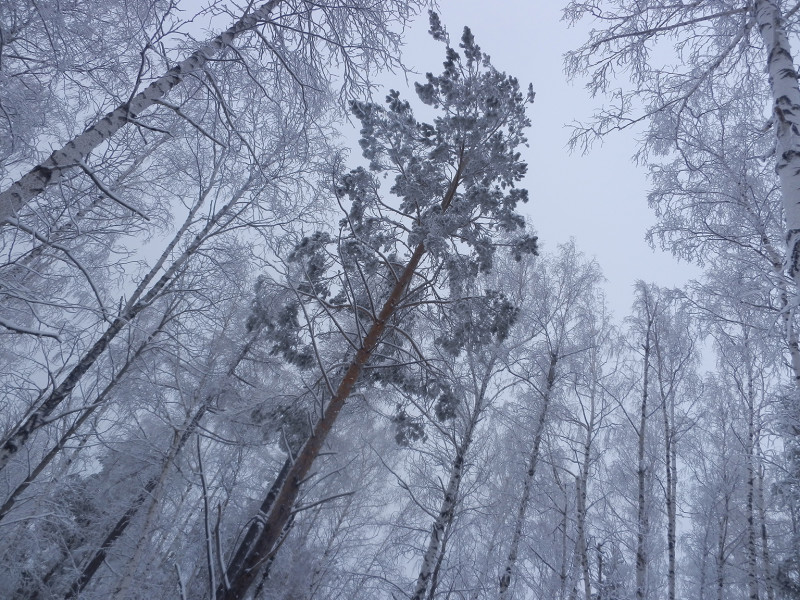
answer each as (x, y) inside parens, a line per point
(359, 37)
(746, 33)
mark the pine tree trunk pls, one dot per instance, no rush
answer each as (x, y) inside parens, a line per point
(236, 564)
(282, 509)
(77, 150)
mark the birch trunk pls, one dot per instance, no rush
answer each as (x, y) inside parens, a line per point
(533, 460)
(77, 150)
(582, 549)
(435, 551)
(39, 416)
(671, 487)
(762, 515)
(642, 524)
(786, 114)
(76, 425)
(91, 567)
(99, 557)
(721, 558)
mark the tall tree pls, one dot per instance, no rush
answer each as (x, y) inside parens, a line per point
(559, 299)
(286, 29)
(455, 180)
(726, 49)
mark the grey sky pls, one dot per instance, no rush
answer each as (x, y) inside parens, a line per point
(599, 199)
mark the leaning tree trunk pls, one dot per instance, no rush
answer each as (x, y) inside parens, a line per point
(533, 460)
(447, 510)
(237, 562)
(13, 443)
(124, 521)
(77, 150)
(282, 509)
(99, 557)
(77, 424)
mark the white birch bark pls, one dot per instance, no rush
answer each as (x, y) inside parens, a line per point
(786, 115)
(533, 460)
(447, 509)
(77, 151)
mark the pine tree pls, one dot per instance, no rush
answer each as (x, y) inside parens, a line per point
(454, 190)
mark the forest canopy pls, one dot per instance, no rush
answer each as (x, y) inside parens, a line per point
(273, 329)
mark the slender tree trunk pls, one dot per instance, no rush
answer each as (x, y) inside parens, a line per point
(670, 463)
(78, 150)
(317, 577)
(533, 459)
(600, 586)
(642, 521)
(121, 525)
(762, 516)
(77, 424)
(563, 571)
(751, 553)
(721, 558)
(39, 416)
(282, 509)
(582, 547)
(435, 550)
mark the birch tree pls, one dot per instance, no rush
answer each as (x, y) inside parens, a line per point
(473, 383)
(357, 36)
(560, 292)
(726, 49)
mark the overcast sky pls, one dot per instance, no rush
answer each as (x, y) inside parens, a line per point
(599, 199)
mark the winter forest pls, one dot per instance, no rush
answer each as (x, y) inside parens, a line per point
(273, 329)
